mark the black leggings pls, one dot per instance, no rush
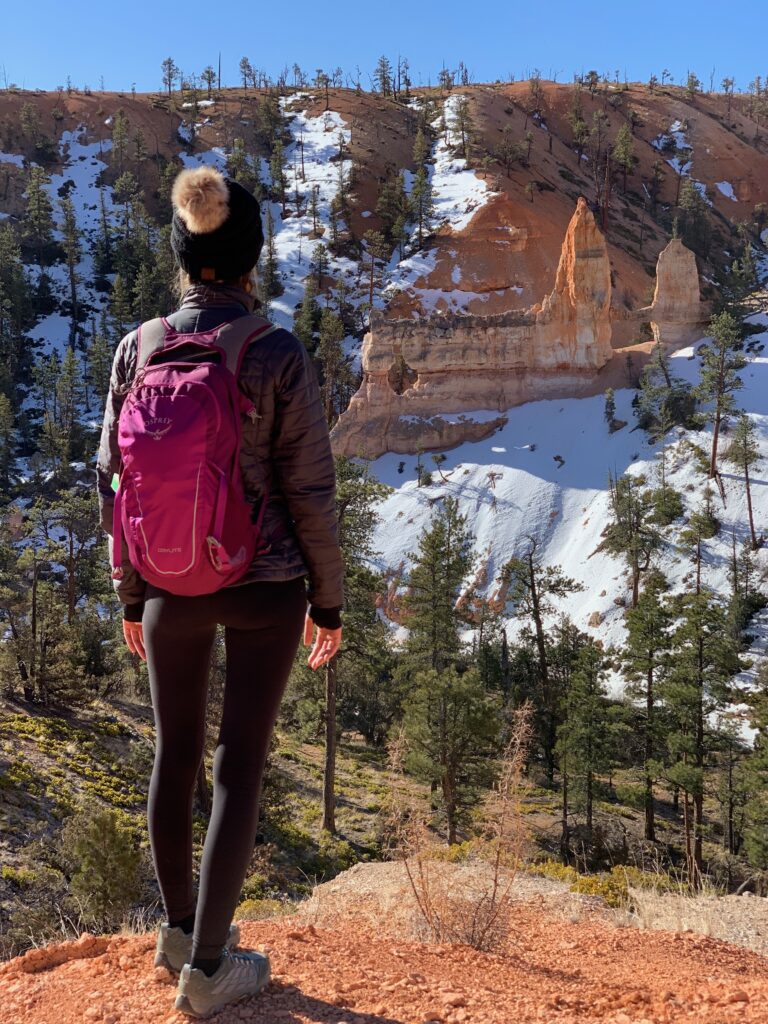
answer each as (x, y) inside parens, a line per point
(263, 627)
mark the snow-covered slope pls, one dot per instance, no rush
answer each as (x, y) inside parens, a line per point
(514, 485)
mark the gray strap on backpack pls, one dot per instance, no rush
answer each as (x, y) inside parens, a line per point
(151, 340)
(233, 338)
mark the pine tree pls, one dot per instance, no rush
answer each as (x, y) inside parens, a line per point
(362, 666)
(120, 135)
(756, 768)
(704, 660)
(72, 252)
(16, 304)
(307, 320)
(646, 662)
(69, 396)
(743, 452)
(392, 206)
(583, 734)
(318, 264)
(531, 587)
(624, 152)
(460, 123)
(29, 119)
(421, 148)
(422, 205)
(609, 413)
(246, 71)
(7, 446)
(269, 274)
(144, 293)
(209, 77)
(452, 727)
(731, 790)
(719, 380)
(99, 363)
(565, 642)
(693, 222)
(382, 77)
(120, 308)
(139, 150)
(337, 384)
(631, 531)
(664, 400)
(277, 172)
(377, 249)
(38, 223)
(170, 74)
(439, 567)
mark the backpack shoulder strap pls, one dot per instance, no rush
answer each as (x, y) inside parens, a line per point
(235, 337)
(151, 338)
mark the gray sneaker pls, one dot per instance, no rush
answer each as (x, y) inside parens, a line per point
(174, 946)
(240, 975)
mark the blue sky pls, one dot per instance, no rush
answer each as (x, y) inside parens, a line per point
(41, 44)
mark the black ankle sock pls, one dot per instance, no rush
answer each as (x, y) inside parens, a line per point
(208, 967)
(186, 923)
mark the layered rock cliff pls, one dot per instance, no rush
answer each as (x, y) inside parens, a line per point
(434, 382)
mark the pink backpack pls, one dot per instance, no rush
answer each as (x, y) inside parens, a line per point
(180, 503)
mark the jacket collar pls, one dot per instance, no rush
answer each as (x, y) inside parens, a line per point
(206, 295)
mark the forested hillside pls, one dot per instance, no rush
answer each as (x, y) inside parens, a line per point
(602, 558)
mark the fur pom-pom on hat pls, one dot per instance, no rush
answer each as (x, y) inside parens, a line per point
(216, 232)
(201, 198)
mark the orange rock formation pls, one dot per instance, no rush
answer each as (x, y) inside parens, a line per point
(424, 380)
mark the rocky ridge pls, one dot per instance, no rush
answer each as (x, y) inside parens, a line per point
(416, 371)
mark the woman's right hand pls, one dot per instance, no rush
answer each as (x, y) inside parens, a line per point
(327, 643)
(133, 633)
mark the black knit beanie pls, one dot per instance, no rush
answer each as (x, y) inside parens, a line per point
(216, 232)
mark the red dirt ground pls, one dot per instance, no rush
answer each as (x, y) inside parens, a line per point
(552, 971)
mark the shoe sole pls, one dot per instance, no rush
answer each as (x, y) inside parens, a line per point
(182, 1002)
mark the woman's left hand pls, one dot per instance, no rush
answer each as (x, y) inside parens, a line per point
(327, 643)
(134, 638)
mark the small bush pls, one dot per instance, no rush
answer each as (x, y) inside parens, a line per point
(632, 795)
(257, 910)
(667, 505)
(22, 878)
(102, 853)
(611, 887)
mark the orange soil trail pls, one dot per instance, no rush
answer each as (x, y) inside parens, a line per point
(552, 971)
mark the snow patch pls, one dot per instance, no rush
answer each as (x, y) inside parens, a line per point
(727, 190)
(545, 474)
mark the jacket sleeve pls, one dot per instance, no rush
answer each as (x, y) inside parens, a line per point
(130, 589)
(302, 457)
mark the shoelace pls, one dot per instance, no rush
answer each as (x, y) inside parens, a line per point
(244, 960)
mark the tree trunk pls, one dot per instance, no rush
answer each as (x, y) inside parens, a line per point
(650, 831)
(329, 778)
(565, 851)
(715, 437)
(71, 582)
(449, 799)
(753, 535)
(541, 647)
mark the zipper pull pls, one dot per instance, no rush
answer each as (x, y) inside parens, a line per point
(248, 408)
